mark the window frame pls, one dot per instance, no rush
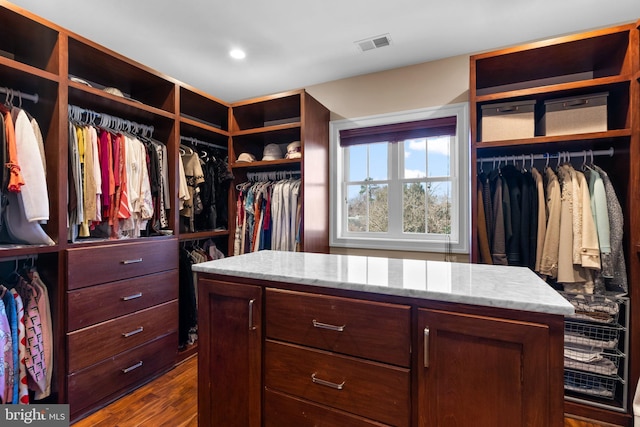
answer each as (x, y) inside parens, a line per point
(458, 241)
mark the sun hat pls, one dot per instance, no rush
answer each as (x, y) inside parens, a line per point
(294, 150)
(246, 157)
(272, 152)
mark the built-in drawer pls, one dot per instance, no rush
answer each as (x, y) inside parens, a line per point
(370, 389)
(371, 330)
(95, 304)
(284, 410)
(121, 373)
(93, 344)
(87, 266)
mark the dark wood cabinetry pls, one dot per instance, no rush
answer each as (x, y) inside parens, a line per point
(456, 353)
(580, 65)
(231, 335)
(281, 119)
(336, 358)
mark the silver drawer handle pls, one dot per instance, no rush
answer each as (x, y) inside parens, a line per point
(252, 327)
(132, 367)
(131, 261)
(426, 347)
(321, 325)
(130, 297)
(326, 383)
(134, 332)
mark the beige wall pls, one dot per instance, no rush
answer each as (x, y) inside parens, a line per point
(417, 86)
(423, 85)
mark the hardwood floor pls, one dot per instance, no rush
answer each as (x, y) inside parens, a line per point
(172, 400)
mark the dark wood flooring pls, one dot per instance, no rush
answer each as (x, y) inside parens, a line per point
(172, 400)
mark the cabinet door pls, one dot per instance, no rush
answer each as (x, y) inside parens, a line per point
(229, 360)
(481, 371)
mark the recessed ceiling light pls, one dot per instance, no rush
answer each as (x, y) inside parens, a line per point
(237, 53)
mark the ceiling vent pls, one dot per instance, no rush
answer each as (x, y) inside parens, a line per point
(374, 42)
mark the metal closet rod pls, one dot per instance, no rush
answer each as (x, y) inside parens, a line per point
(116, 123)
(547, 156)
(196, 141)
(21, 95)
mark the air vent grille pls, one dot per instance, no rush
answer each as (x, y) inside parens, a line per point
(374, 42)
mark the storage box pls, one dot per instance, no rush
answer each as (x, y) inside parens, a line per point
(582, 114)
(511, 120)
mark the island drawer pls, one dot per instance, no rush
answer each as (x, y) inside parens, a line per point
(93, 344)
(89, 266)
(118, 374)
(284, 410)
(370, 330)
(95, 304)
(369, 389)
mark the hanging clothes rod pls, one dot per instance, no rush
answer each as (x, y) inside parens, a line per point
(196, 141)
(11, 93)
(92, 118)
(547, 156)
(271, 175)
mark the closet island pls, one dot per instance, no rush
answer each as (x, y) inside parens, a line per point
(305, 339)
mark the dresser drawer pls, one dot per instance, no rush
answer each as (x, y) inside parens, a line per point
(284, 410)
(369, 389)
(95, 304)
(88, 266)
(93, 344)
(120, 373)
(365, 329)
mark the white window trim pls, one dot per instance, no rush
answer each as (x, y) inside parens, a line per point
(461, 203)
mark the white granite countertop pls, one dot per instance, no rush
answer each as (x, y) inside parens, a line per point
(478, 284)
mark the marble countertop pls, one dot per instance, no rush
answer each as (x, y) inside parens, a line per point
(478, 284)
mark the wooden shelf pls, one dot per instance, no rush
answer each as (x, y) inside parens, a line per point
(580, 137)
(556, 90)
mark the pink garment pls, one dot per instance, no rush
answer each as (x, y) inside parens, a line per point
(23, 389)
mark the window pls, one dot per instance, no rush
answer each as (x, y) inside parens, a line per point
(400, 181)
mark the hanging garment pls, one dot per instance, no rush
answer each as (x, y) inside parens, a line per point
(616, 226)
(33, 194)
(34, 359)
(601, 219)
(541, 217)
(498, 249)
(23, 389)
(6, 358)
(483, 239)
(44, 309)
(12, 316)
(550, 250)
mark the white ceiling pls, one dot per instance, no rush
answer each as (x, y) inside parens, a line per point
(292, 44)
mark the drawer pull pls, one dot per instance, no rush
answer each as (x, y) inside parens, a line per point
(132, 367)
(251, 325)
(321, 325)
(134, 332)
(426, 347)
(130, 297)
(326, 383)
(131, 261)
